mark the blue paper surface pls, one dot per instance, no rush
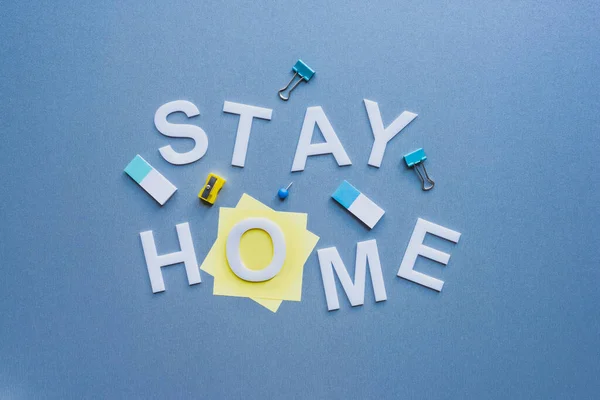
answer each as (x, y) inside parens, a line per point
(505, 92)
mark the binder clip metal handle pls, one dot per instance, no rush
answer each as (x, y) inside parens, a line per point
(303, 71)
(281, 95)
(429, 180)
(415, 160)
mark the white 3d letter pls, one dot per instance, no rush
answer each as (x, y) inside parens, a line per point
(417, 248)
(384, 135)
(332, 145)
(246, 113)
(232, 249)
(178, 130)
(365, 252)
(187, 255)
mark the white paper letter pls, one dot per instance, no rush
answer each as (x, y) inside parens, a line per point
(187, 255)
(384, 135)
(232, 249)
(417, 248)
(178, 130)
(332, 145)
(246, 113)
(329, 259)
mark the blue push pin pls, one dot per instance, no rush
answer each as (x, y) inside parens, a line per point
(283, 192)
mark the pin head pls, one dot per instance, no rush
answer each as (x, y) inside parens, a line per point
(283, 193)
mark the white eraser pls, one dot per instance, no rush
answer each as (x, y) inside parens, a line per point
(150, 180)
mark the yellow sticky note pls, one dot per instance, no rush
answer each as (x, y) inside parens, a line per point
(248, 202)
(287, 284)
(208, 265)
(256, 251)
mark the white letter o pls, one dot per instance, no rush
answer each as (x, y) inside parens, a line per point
(233, 249)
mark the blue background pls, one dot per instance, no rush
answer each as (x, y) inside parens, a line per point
(508, 100)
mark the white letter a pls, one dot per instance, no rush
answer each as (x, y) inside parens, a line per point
(332, 145)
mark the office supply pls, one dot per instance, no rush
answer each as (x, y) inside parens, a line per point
(416, 159)
(211, 188)
(358, 204)
(152, 181)
(283, 193)
(303, 71)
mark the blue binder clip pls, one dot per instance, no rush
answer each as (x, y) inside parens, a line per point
(414, 160)
(300, 69)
